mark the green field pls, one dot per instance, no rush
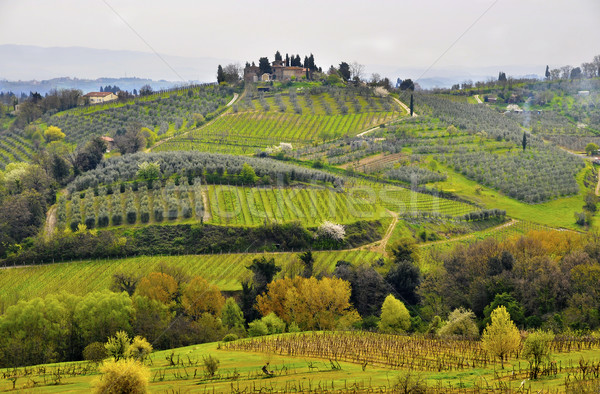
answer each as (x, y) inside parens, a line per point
(224, 270)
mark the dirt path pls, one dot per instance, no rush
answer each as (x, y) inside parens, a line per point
(400, 103)
(207, 215)
(50, 224)
(478, 99)
(159, 143)
(512, 222)
(235, 96)
(379, 246)
(598, 185)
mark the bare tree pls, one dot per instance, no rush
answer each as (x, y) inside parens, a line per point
(357, 71)
(565, 72)
(554, 74)
(233, 72)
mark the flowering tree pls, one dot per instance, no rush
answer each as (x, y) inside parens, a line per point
(331, 230)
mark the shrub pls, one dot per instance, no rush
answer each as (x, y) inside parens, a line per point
(274, 324)
(257, 329)
(461, 322)
(230, 338)
(118, 345)
(139, 349)
(125, 376)
(211, 365)
(95, 352)
(117, 219)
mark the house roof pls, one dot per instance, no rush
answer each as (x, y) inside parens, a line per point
(107, 139)
(98, 94)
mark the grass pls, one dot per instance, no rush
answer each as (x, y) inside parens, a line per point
(224, 270)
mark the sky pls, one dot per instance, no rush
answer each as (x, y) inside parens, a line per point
(420, 34)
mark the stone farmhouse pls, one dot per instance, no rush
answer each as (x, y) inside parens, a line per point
(280, 73)
(100, 97)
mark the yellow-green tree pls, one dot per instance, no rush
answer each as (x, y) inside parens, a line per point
(139, 349)
(311, 303)
(537, 349)
(53, 133)
(501, 337)
(395, 318)
(200, 297)
(158, 286)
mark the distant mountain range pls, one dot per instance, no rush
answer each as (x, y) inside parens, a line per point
(41, 69)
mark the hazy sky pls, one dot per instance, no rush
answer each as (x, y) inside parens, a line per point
(395, 33)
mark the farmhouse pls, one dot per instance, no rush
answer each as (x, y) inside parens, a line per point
(280, 72)
(100, 97)
(110, 143)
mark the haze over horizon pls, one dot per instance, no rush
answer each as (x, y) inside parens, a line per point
(388, 37)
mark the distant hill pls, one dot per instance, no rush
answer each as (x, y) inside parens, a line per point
(85, 85)
(25, 62)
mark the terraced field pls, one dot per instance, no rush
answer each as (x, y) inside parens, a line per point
(261, 121)
(224, 270)
(250, 206)
(165, 113)
(14, 148)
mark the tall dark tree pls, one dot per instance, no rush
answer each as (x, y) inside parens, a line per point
(311, 63)
(278, 56)
(524, 141)
(502, 76)
(405, 277)
(576, 73)
(264, 65)
(547, 73)
(264, 271)
(220, 74)
(287, 60)
(411, 105)
(91, 155)
(407, 84)
(308, 260)
(345, 70)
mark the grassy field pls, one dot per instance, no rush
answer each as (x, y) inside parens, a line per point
(241, 371)
(224, 270)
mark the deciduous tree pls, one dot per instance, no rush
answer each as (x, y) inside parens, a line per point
(395, 318)
(501, 337)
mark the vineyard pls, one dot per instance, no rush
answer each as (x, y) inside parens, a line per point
(392, 351)
(242, 371)
(167, 112)
(259, 121)
(133, 204)
(223, 270)
(14, 148)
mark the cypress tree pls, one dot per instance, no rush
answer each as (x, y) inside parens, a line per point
(524, 141)
(411, 105)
